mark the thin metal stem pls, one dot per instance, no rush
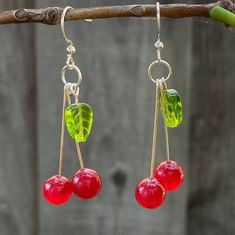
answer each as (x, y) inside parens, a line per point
(79, 155)
(77, 143)
(165, 126)
(62, 136)
(154, 143)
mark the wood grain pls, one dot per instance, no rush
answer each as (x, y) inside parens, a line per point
(211, 189)
(18, 126)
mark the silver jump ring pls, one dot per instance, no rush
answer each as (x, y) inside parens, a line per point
(62, 24)
(72, 88)
(66, 67)
(158, 62)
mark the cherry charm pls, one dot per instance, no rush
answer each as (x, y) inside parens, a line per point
(57, 190)
(150, 193)
(86, 183)
(170, 174)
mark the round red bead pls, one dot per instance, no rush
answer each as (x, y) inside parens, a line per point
(150, 193)
(86, 183)
(57, 190)
(170, 174)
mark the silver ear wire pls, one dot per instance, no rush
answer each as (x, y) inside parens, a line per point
(158, 20)
(70, 64)
(62, 24)
(159, 46)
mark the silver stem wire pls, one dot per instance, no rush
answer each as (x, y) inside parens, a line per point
(77, 143)
(154, 143)
(79, 155)
(62, 134)
(165, 126)
(67, 100)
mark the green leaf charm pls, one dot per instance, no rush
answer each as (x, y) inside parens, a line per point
(173, 107)
(78, 119)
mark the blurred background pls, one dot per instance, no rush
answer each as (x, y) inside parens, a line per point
(113, 56)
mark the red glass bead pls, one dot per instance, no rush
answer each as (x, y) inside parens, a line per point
(170, 174)
(150, 193)
(86, 183)
(57, 190)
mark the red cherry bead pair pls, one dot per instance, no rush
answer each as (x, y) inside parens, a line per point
(86, 184)
(150, 193)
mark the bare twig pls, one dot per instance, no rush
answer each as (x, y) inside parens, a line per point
(51, 15)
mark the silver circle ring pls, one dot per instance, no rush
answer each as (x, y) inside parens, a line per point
(158, 62)
(74, 68)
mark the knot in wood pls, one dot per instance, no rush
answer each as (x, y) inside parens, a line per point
(137, 10)
(21, 15)
(52, 15)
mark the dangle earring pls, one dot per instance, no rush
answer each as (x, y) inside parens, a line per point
(78, 118)
(150, 193)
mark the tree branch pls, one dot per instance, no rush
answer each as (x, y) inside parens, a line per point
(51, 15)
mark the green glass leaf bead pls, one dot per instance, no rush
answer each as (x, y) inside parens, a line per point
(173, 107)
(78, 119)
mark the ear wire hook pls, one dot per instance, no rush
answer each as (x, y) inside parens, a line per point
(158, 20)
(62, 25)
(70, 49)
(158, 44)
(70, 64)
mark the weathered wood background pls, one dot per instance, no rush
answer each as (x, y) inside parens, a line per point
(113, 56)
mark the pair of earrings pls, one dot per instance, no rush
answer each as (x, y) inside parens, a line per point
(86, 183)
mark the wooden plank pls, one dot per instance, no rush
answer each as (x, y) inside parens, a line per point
(18, 161)
(210, 205)
(113, 56)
